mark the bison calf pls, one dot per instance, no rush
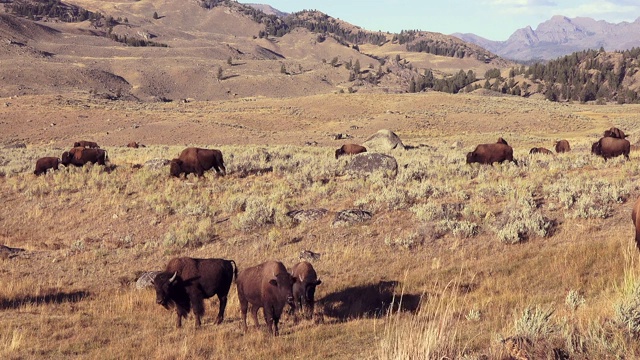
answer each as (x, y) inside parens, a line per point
(268, 286)
(350, 149)
(304, 288)
(46, 163)
(186, 282)
(197, 161)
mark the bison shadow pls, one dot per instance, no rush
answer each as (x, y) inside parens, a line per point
(52, 298)
(369, 301)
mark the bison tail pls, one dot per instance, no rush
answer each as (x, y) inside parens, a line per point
(235, 270)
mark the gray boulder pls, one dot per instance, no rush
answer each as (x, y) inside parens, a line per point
(146, 279)
(367, 163)
(307, 215)
(351, 216)
(156, 163)
(384, 140)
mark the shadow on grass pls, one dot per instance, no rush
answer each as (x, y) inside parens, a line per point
(372, 300)
(56, 297)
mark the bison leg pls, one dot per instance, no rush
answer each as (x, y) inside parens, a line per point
(271, 320)
(254, 314)
(223, 305)
(198, 309)
(243, 310)
(181, 313)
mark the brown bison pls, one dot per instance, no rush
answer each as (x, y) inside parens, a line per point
(614, 132)
(197, 161)
(491, 153)
(46, 163)
(135, 145)
(609, 147)
(540, 150)
(562, 146)
(635, 217)
(268, 286)
(304, 288)
(87, 144)
(79, 156)
(350, 149)
(186, 282)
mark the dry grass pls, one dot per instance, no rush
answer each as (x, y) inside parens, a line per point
(537, 255)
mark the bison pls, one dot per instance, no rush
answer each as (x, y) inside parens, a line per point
(562, 146)
(87, 144)
(268, 286)
(614, 132)
(609, 147)
(540, 150)
(304, 288)
(186, 282)
(197, 161)
(490, 153)
(79, 156)
(135, 145)
(350, 149)
(46, 163)
(635, 217)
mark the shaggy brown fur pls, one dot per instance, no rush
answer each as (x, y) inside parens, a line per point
(197, 161)
(46, 163)
(562, 146)
(186, 282)
(268, 286)
(350, 149)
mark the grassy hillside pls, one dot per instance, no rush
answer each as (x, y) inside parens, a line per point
(535, 258)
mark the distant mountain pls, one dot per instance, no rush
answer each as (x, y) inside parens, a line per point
(268, 9)
(561, 36)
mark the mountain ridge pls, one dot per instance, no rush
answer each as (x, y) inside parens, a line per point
(560, 36)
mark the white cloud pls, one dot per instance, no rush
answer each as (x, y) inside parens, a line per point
(609, 9)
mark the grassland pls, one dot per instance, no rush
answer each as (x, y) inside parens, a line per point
(534, 260)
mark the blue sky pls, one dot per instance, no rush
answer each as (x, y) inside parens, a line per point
(492, 19)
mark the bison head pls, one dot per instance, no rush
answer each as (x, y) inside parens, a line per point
(471, 157)
(175, 167)
(284, 287)
(164, 283)
(65, 159)
(305, 290)
(596, 148)
(339, 152)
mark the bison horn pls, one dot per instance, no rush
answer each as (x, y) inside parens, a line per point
(173, 278)
(300, 277)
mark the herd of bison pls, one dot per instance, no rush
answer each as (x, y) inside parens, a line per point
(186, 282)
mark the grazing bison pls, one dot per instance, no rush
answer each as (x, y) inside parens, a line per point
(87, 144)
(490, 153)
(46, 163)
(609, 147)
(350, 149)
(562, 146)
(268, 286)
(614, 132)
(540, 150)
(135, 145)
(79, 156)
(304, 288)
(197, 161)
(186, 282)
(635, 217)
